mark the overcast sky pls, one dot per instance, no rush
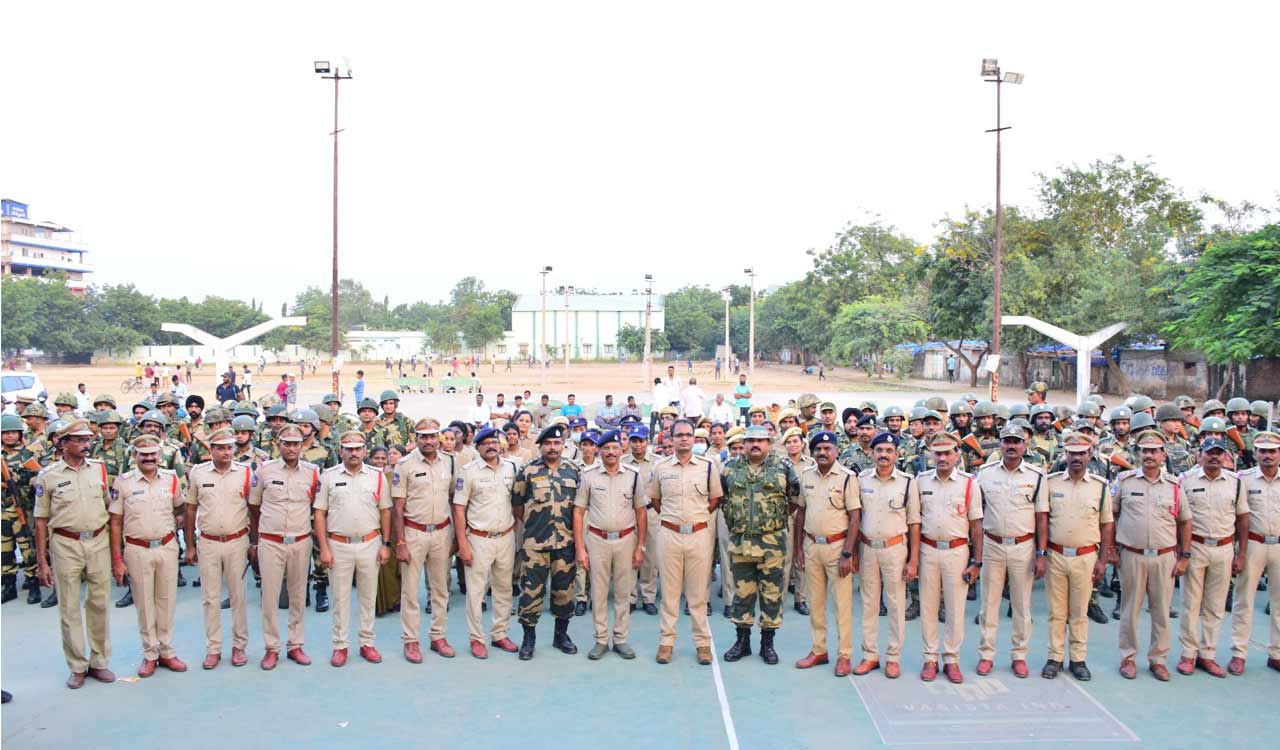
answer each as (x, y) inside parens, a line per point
(190, 143)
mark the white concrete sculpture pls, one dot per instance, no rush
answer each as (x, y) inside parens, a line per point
(222, 347)
(1084, 344)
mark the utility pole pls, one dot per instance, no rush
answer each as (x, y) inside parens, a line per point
(751, 336)
(648, 311)
(991, 73)
(724, 366)
(322, 67)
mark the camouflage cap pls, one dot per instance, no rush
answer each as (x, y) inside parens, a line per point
(826, 406)
(756, 432)
(166, 399)
(1184, 402)
(807, 399)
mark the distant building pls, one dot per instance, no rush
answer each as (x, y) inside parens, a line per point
(591, 320)
(39, 248)
(376, 345)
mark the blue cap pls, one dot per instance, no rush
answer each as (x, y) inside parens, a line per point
(591, 436)
(551, 431)
(886, 437)
(610, 436)
(866, 419)
(629, 419)
(822, 436)
(577, 422)
(638, 431)
(1213, 442)
(485, 433)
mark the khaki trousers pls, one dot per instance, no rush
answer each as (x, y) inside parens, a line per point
(940, 581)
(492, 561)
(223, 563)
(281, 563)
(726, 570)
(582, 585)
(684, 565)
(610, 562)
(790, 572)
(76, 561)
(882, 569)
(432, 550)
(1015, 562)
(358, 561)
(1068, 585)
(1204, 599)
(647, 581)
(821, 568)
(1258, 557)
(1152, 576)
(153, 579)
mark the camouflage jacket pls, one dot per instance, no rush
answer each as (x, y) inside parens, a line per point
(116, 457)
(373, 437)
(856, 459)
(547, 496)
(399, 429)
(23, 466)
(1181, 456)
(755, 499)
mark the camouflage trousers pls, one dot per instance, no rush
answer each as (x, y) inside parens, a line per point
(15, 534)
(538, 568)
(758, 566)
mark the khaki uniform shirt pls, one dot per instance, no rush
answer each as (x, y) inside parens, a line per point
(1010, 498)
(352, 502)
(827, 499)
(425, 486)
(888, 506)
(645, 467)
(486, 494)
(685, 490)
(611, 500)
(1077, 510)
(1214, 503)
(146, 505)
(221, 498)
(1263, 497)
(948, 505)
(1147, 512)
(285, 496)
(73, 499)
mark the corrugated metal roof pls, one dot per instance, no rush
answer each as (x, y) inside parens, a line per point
(586, 302)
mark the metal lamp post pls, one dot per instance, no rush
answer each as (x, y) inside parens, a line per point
(648, 310)
(751, 335)
(991, 74)
(325, 71)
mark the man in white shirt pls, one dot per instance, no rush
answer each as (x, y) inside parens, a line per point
(478, 414)
(721, 412)
(692, 400)
(84, 403)
(674, 387)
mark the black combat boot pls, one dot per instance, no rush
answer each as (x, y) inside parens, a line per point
(322, 596)
(9, 590)
(1095, 610)
(913, 608)
(530, 641)
(183, 581)
(33, 592)
(127, 599)
(561, 640)
(740, 647)
(766, 647)
(51, 600)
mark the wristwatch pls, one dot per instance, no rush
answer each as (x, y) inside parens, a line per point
(1185, 555)
(644, 548)
(1041, 552)
(975, 563)
(846, 554)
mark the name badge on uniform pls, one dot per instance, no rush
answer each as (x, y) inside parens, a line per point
(420, 475)
(135, 493)
(1255, 492)
(868, 490)
(206, 486)
(1137, 494)
(1197, 489)
(63, 484)
(277, 481)
(1057, 494)
(925, 492)
(339, 484)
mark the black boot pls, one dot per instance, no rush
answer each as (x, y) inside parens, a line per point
(529, 642)
(322, 596)
(9, 591)
(33, 592)
(972, 593)
(127, 599)
(561, 640)
(51, 600)
(1104, 591)
(740, 647)
(181, 581)
(766, 647)
(226, 602)
(1096, 614)
(913, 608)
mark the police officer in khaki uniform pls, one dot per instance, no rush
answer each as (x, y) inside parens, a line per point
(1012, 489)
(1261, 552)
(888, 551)
(950, 521)
(352, 520)
(142, 522)
(482, 506)
(685, 491)
(280, 525)
(1153, 532)
(826, 530)
(422, 490)
(218, 502)
(639, 456)
(1219, 517)
(1076, 520)
(610, 529)
(71, 514)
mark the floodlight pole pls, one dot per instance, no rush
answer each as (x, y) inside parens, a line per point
(648, 308)
(994, 76)
(337, 78)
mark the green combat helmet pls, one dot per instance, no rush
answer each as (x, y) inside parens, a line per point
(1212, 405)
(244, 423)
(1238, 404)
(155, 415)
(1089, 409)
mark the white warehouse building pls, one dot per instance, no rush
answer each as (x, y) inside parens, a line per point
(592, 322)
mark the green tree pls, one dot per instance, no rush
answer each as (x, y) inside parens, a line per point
(869, 329)
(45, 315)
(631, 340)
(693, 319)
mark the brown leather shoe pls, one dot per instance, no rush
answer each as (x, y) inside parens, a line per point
(147, 668)
(173, 664)
(76, 680)
(338, 658)
(1236, 666)
(1020, 668)
(1160, 672)
(412, 653)
(843, 666)
(102, 674)
(1212, 667)
(704, 655)
(930, 671)
(442, 647)
(270, 659)
(812, 660)
(478, 650)
(506, 644)
(371, 655)
(984, 667)
(299, 656)
(238, 657)
(891, 670)
(952, 671)
(211, 661)
(1187, 666)
(1128, 669)
(866, 665)
(664, 654)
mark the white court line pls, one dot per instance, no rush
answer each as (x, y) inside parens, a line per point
(1075, 684)
(729, 731)
(867, 707)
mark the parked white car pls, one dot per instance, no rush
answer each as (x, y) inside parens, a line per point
(15, 384)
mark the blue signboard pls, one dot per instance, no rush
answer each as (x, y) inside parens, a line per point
(13, 209)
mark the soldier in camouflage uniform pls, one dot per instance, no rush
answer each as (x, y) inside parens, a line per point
(1181, 455)
(108, 447)
(20, 466)
(339, 423)
(177, 431)
(857, 455)
(325, 435)
(758, 491)
(374, 433)
(277, 416)
(215, 418)
(1239, 416)
(1044, 440)
(985, 432)
(848, 434)
(398, 427)
(313, 449)
(36, 436)
(807, 404)
(542, 497)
